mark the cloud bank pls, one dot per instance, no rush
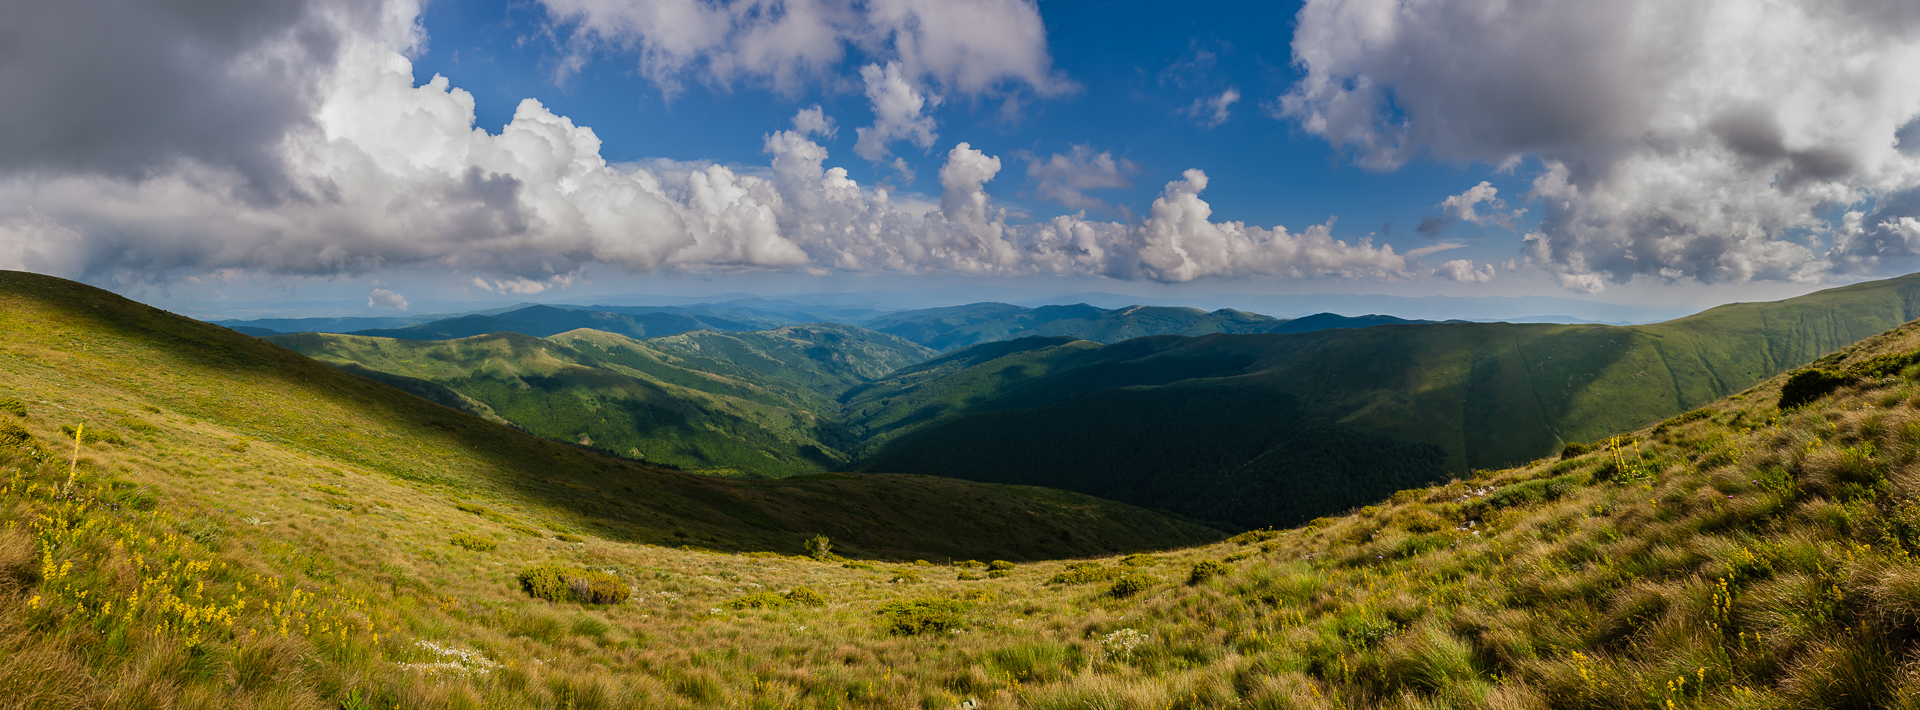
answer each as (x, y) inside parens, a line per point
(1689, 141)
(377, 173)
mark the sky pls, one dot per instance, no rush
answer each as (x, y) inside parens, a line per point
(203, 154)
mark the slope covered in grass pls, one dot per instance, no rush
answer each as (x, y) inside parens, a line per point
(1482, 395)
(733, 404)
(542, 321)
(956, 327)
(1736, 556)
(82, 354)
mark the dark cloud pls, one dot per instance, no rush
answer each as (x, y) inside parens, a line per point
(130, 87)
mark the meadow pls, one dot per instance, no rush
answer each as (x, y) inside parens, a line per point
(1735, 556)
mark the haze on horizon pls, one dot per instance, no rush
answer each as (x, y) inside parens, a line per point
(208, 155)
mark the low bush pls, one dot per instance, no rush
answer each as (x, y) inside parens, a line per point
(999, 573)
(1139, 560)
(473, 542)
(970, 564)
(1129, 585)
(1084, 573)
(762, 600)
(93, 435)
(138, 426)
(1575, 448)
(806, 597)
(1806, 385)
(330, 490)
(13, 406)
(1000, 566)
(912, 617)
(566, 584)
(13, 436)
(527, 531)
(905, 577)
(1208, 569)
(819, 547)
(563, 537)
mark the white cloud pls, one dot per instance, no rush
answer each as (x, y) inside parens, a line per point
(386, 174)
(1462, 270)
(814, 122)
(899, 112)
(1692, 141)
(1064, 179)
(969, 46)
(1466, 206)
(383, 298)
(1211, 111)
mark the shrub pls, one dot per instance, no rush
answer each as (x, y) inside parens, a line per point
(94, 435)
(999, 573)
(1251, 537)
(1000, 566)
(474, 509)
(911, 617)
(819, 547)
(861, 566)
(1575, 448)
(1208, 569)
(138, 426)
(13, 406)
(473, 542)
(330, 490)
(13, 436)
(1806, 385)
(1084, 573)
(564, 584)
(563, 537)
(904, 577)
(527, 531)
(762, 600)
(1139, 560)
(1129, 585)
(968, 577)
(805, 597)
(970, 564)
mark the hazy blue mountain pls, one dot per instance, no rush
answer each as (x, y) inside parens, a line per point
(542, 321)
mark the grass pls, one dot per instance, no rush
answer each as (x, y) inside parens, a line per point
(1746, 557)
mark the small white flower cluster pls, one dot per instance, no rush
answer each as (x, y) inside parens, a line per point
(1473, 493)
(1469, 527)
(452, 661)
(1120, 644)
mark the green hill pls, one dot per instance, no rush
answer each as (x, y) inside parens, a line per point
(1316, 422)
(734, 404)
(958, 327)
(542, 321)
(233, 407)
(243, 528)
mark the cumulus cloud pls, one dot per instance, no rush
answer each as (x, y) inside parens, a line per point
(385, 299)
(1480, 204)
(1211, 111)
(969, 46)
(899, 112)
(1065, 179)
(1462, 270)
(383, 173)
(1693, 141)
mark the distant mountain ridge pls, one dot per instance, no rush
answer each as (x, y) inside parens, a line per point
(1304, 423)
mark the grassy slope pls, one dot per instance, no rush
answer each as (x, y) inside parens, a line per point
(958, 327)
(1738, 557)
(738, 404)
(541, 321)
(87, 350)
(1485, 394)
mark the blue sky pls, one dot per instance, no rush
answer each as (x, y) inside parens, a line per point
(217, 152)
(1138, 79)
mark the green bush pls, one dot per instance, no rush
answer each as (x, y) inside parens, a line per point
(911, 617)
(13, 436)
(1084, 573)
(330, 490)
(563, 537)
(138, 426)
(762, 600)
(474, 509)
(94, 435)
(819, 547)
(806, 597)
(1208, 569)
(970, 564)
(1575, 448)
(473, 542)
(905, 577)
(1139, 560)
(13, 406)
(527, 531)
(999, 573)
(566, 584)
(1806, 385)
(1253, 536)
(1129, 585)
(1000, 566)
